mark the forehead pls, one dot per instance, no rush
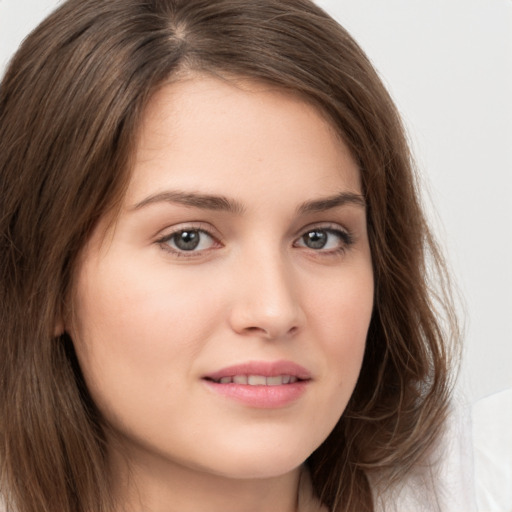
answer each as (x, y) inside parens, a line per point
(204, 131)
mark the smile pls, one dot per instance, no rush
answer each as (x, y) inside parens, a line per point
(260, 384)
(257, 380)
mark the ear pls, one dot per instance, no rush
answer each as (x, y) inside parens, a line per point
(58, 328)
(59, 325)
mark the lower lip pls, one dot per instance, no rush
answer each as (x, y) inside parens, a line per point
(262, 397)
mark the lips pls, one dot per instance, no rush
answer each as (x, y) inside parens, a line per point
(260, 384)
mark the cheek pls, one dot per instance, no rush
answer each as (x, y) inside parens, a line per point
(342, 316)
(339, 318)
(128, 305)
(134, 330)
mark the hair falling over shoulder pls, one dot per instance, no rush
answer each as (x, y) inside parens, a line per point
(70, 107)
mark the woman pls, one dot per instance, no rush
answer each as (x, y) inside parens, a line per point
(215, 287)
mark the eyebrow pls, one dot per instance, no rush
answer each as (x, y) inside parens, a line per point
(222, 203)
(194, 200)
(328, 203)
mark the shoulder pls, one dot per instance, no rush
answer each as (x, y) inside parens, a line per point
(470, 470)
(492, 448)
(444, 483)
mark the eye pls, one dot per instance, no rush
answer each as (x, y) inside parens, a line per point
(188, 240)
(325, 239)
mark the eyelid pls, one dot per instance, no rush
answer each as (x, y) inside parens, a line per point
(327, 226)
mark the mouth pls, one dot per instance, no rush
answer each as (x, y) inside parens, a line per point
(257, 380)
(261, 385)
(260, 373)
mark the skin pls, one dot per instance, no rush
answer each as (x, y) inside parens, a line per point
(152, 320)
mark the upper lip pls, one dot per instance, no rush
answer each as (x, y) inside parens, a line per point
(264, 368)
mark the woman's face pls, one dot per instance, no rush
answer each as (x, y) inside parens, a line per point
(220, 324)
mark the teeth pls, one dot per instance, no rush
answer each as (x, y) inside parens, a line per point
(274, 381)
(256, 380)
(259, 380)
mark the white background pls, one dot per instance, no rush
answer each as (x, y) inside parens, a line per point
(448, 64)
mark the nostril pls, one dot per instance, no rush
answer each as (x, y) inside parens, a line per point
(269, 332)
(255, 330)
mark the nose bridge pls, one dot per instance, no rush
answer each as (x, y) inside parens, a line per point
(268, 301)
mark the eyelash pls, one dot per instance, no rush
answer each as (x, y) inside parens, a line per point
(346, 239)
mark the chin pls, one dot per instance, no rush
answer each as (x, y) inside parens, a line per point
(261, 462)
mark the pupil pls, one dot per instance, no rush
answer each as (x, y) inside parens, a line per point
(187, 240)
(315, 239)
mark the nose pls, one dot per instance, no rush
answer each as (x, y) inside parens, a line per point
(267, 302)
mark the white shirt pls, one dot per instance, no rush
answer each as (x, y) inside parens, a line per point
(492, 451)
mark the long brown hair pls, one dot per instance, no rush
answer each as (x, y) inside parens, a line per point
(70, 106)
